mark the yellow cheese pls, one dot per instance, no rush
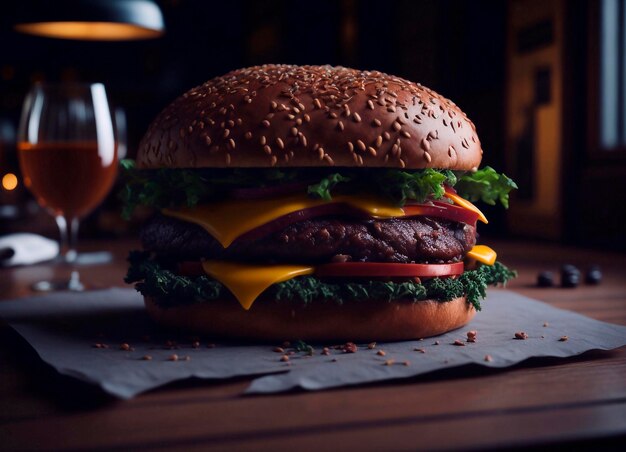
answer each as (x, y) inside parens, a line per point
(229, 219)
(466, 205)
(247, 282)
(483, 254)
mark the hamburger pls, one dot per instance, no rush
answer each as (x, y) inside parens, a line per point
(314, 203)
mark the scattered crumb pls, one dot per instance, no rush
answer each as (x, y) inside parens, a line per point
(125, 347)
(371, 345)
(421, 350)
(334, 360)
(284, 358)
(187, 358)
(381, 353)
(545, 324)
(542, 336)
(173, 357)
(471, 336)
(436, 343)
(278, 350)
(458, 343)
(563, 338)
(389, 362)
(520, 335)
(406, 363)
(488, 358)
(195, 344)
(146, 358)
(350, 347)
(100, 345)
(421, 338)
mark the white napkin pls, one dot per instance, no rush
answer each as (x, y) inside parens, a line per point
(28, 248)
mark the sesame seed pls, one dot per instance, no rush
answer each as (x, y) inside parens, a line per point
(320, 152)
(356, 117)
(360, 160)
(391, 109)
(394, 150)
(379, 141)
(372, 151)
(376, 122)
(406, 134)
(226, 133)
(329, 160)
(296, 110)
(280, 143)
(361, 145)
(231, 143)
(386, 136)
(274, 160)
(298, 122)
(294, 131)
(207, 140)
(427, 157)
(267, 149)
(307, 118)
(301, 106)
(317, 103)
(340, 125)
(290, 116)
(265, 123)
(350, 146)
(396, 126)
(274, 105)
(263, 140)
(231, 123)
(333, 115)
(227, 158)
(346, 110)
(402, 164)
(370, 104)
(303, 139)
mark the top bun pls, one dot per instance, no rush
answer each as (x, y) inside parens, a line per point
(310, 116)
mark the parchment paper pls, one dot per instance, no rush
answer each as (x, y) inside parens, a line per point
(83, 335)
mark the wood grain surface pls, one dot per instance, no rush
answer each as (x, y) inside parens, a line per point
(579, 401)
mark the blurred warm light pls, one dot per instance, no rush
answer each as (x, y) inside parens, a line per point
(93, 31)
(9, 181)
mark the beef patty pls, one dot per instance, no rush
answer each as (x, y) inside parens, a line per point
(317, 240)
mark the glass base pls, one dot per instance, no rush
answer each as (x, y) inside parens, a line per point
(73, 284)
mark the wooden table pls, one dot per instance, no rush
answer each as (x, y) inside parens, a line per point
(580, 400)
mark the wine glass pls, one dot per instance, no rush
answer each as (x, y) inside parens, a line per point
(68, 157)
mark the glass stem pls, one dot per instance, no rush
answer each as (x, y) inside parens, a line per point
(68, 228)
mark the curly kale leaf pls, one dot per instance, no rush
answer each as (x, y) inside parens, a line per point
(154, 279)
(486, 185)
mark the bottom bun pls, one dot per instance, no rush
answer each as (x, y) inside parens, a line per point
(358, 321)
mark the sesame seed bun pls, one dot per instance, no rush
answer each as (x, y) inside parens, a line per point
(366, 320)
(310, 116)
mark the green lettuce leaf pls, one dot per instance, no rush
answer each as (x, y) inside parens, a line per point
(486, 185)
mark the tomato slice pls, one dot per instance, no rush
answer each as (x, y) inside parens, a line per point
(442, 210)
(377, 269)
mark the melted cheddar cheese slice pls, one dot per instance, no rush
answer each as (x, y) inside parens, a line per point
(466, 205)
(247, 282)
(483, 254)
(229, 219)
